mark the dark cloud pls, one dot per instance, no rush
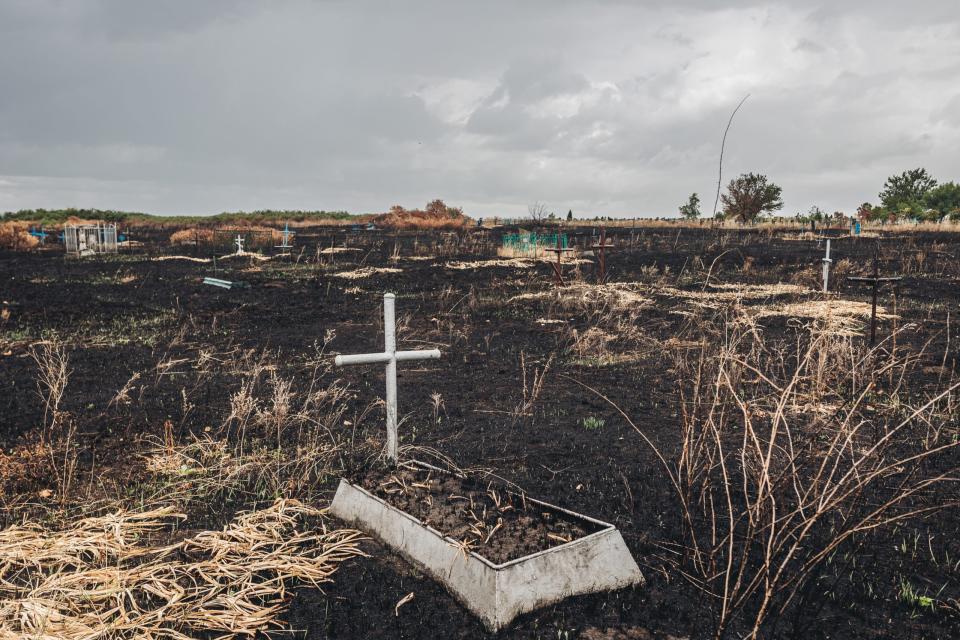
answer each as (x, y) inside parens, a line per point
(606, 107)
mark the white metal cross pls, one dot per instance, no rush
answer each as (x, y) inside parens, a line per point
(239, 243)
(390, 356)
(826, 267)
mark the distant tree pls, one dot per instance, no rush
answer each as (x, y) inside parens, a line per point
(438, 208)
(865, 212)
(570, 214)
(691, 210)
(905, 193)
(816, 213)
(537, 211)
(943, 201)
(749, 196)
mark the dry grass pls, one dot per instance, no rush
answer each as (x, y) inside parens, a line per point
(333, 250)
(619, 295)
(192, 236)
(365, 272)
(188, 258)
(439, 220)
(840, 317)
(101, 578)
(513, 263)
(718, 295)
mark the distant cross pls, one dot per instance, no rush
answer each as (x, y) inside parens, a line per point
(601, 248)
(239, 243)
(559, 250)
(390, 356)
(826, 266)
(876, 281)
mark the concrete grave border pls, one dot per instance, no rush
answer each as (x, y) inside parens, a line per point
(496, 593)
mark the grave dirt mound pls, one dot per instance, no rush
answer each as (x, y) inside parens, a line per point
(484, 516)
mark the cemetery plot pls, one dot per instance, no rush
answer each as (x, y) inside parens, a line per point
(484, 517)
(214, 403)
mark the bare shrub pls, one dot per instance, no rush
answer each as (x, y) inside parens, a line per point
(787, 455)
(59, 430)
(196, 236)
(532, 387)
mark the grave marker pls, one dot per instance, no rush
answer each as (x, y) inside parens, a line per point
(876, 281)
(390, 356)
(826, 266)
(559, 250)
(601, 248)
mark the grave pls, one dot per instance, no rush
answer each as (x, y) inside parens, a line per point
(877, 281)
(560, 249)
(524, 553)
(90, 239)
(600, 248)
(285, 245)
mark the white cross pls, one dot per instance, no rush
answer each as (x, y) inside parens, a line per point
(390, 356)
(826, 266)
(239, 243)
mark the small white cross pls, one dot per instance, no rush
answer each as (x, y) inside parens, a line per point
(826, 267)
(390, 356)
(239, 243)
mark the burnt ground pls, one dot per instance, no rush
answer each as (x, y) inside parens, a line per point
(124, 315)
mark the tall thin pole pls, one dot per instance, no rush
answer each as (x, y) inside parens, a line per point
(390, 347)
(873, 310)
(826, 267)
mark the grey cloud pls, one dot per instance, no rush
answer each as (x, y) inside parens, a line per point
(607, 107)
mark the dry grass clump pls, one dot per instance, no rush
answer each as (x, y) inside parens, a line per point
(436, 216)
(15, 236)
(841, 317)
(365, 272)
(618, 295)
(513, 263)
(188, 258)
(100, 578)
(192, 236)
(718, 295)
(333, 250)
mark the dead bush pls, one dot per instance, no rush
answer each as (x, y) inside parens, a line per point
(15, 236)
(192, 237)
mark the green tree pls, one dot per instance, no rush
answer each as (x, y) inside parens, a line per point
(750, 195)
(904, 194)
(570, 214)
(944, 201)
(691, 210)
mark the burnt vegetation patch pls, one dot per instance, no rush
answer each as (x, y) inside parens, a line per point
(773, 473)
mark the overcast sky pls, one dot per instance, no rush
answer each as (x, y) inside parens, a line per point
(603, 107)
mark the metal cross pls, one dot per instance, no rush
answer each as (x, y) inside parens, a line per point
(876, 281)
(390, 356)
(601, 249)
(826, 266)
(559, 250)
(239, 243)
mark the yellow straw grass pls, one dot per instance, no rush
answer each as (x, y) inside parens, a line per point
(99, 578)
